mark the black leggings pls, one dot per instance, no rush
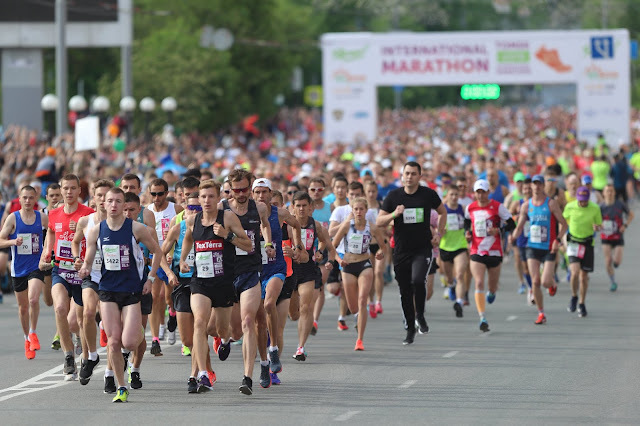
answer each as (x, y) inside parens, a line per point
(411, 274)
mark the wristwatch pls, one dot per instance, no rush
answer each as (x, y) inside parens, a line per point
(230, 237)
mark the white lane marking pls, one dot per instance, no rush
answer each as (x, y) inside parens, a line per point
(408, 384)
(450, 354)
(26, 391)
(346, 416)
(512, 318)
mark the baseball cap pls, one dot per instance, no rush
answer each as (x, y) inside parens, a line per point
(537, 178)
(586, 180)
(51, 151)
(518, 177)
(261, 183)
(582, 194)
(482, 184)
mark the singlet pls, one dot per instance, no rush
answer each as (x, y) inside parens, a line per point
(323, 215)
(25, 258)
(250, 221)
(177, 252)
(163, 220)
(96, 268)
(612, 220)
(145, 250)
(483, 219)
(543, 226)
(523, 239)
(497, 194)
(516, 196)
(453, 238)
(122, 260)
(275, 265)
(357, 242)
(59, 223)
(214, 257)
(309, 237)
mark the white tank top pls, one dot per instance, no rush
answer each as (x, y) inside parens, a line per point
(163, 219)
(96, 269)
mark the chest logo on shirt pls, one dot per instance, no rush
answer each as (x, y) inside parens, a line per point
(58, 227)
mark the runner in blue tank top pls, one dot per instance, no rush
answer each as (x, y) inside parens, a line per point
(121, 284)
(22, 231)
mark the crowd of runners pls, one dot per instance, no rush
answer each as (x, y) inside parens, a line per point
(234, 256)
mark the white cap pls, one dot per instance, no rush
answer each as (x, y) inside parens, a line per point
(261, 183)
(482, 184)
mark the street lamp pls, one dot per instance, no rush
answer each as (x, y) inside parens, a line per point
(49, 105)
(147, 105)
(101, 106)
(78, 104)
(169, 105)
(128, 105)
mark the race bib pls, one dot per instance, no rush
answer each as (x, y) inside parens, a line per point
(354, 245)
(453, 222)
(308, 237)
(480, 227)
(413, 215)
(608, 227)
(265, 259)
(162, 229)
(252, 236)
(538, 234)
(575, 250)
(191, 258)
(30, 244)
(116, 257)
(64, 250)
(527, 229)
(97, 261)
(208, 258)
(67, 272)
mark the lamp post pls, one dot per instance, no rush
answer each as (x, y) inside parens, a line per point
(128, 105)
(147, 105)
(169, 105)
(49, 105)
(101, 106)
(77, 104)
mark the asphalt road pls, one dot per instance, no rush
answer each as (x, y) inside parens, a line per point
(570, 370)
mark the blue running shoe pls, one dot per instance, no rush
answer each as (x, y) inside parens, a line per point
(484, 325)
(204, 384)
(522, 289)
(452, 294)
(276, 365)
(274, 379)
(491, 297)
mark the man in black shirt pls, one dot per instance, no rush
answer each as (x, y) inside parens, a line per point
(410, 210)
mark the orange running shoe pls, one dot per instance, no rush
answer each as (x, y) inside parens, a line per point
(216, 344)
(342, 325)
(359, 346)
(379, 308)
(542, 319)
(212, 377)
(103, 336)
(553, 290)
(28, 352)
(372, 310)
(34, 343)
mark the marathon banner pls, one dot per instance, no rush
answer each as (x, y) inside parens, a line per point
(597, 62)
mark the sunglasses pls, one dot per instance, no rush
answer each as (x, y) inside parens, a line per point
(240, 190)
(157, 194)
(194, 207)
(316, 189)
(461, 186)
(291, 192)
(227, 191)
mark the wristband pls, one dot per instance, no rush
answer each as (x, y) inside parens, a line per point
(268, 245)
(393, 215)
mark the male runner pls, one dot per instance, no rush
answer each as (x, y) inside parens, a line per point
(322, 213)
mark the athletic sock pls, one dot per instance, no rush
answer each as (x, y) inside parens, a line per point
(541, 311)
(203, 373)
(480, 302)
(135, 369)
(31, 330)
(460, 301)
(69, 353)
(108, 373)
(528, 278)
(26, 337)
(340, 318)
(612, 277)
(93, 356)
(273, 348)
(264, 363)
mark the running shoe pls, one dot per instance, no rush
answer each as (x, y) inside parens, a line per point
(121, 395)
(103, 336)
(372, 310)
(274, 379)
(411, 334)
(314, 328)
(522, 289)
(86, 370)
(613, 287)
(582, 310)
(236, 342)
(342, 325)
(379, 310)
(109, 384)
(421, 323)
(491, 297)
(78, 345)
(387, 274)
(224, 350)
(246, 386)
(28, 352)
(458, 309)
(531, 298)
(359, 346)
(55, 344)
(443, 281)
(265, 376)
(552, 290)
(300, 355)
(192, 385)
(69, 365)
(204, 385)
(216, 344)
(452, 294)
(445, 293)
(155, 348)
(275, 365)
(172, 323)
(134, 379)
(484, 325)
(161, 332)
(34, 343)
(542, 319)
(573, 304)
(466, 299)
(186, 351)
(212, 377)
(171, 337)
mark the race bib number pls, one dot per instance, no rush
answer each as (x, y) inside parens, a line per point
(209, 264)
(308, 237)
(575, 250)
(97, 261)
(527, 229)
(608, 227)
(480, 227)
(413, 215)
(68, 273)
(354, 245)
(538, 234)
(265, 259)
(30, 244)
(252, 236)
(162, 229)
(116, 257)
(453, 222)
(191, 258)
(64, 250)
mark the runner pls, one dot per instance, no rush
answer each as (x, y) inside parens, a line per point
(123, 280)
(322, 213)
(583, 217)
(356, 234)
(54, 195)
(65, 279)
(339, 188)
(484, 221)
(213, 234)
(522, 240)
(379, 264)
(22, 232)
(614, 212)
(408, 207)
(544, 215)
